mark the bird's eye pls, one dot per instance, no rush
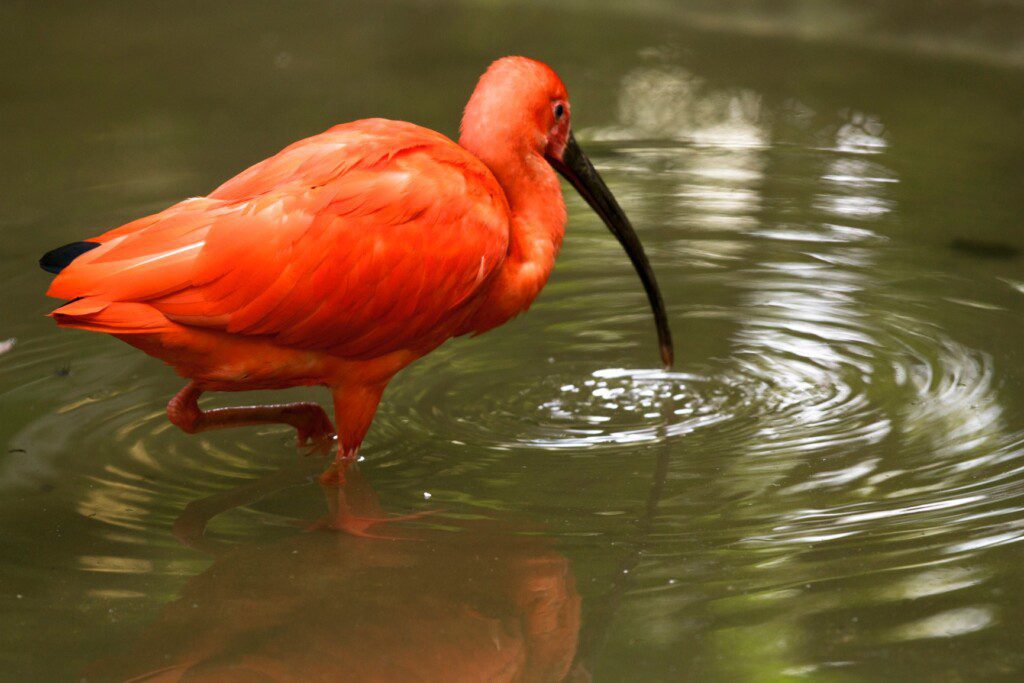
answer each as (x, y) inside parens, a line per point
(559, 110)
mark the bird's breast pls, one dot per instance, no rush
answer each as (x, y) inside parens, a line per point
(517, 283)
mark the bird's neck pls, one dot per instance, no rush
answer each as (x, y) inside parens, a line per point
(537, 226)
(538, 213)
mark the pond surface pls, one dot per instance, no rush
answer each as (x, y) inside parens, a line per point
(828, 487)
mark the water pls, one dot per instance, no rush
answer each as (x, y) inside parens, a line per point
(828, 487)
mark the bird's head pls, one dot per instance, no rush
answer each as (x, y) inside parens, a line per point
(520, 108)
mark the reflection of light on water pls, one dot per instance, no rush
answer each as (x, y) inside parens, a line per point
(954, 622)
(959, 412)
(731, 121)
(653, 102)
(670, 103)
(847, 381)
(115, 594)
(805, 328)
(115, 565)
(715, 184)
(856, 182)
(853, 206)
(935, 581)
(840, 477)
(860, 134)
(857, 172)
(806, 335)
(826, 233)
(987, 541)
(634, 406)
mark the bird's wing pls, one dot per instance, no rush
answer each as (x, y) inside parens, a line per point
(357, 241)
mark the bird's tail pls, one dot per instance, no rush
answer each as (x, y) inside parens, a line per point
(60, 258)
(111, 317)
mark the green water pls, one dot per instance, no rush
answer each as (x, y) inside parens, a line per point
(829, 486)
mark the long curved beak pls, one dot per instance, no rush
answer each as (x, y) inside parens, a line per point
(581, 174)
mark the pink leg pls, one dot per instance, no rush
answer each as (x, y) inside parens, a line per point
(309, 419)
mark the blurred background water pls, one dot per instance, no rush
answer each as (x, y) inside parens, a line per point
(829, 487)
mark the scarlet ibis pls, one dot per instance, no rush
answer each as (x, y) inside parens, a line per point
(346, 256)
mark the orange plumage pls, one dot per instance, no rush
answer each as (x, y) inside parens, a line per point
(339, 260)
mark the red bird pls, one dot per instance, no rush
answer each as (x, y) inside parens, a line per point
(347, 256)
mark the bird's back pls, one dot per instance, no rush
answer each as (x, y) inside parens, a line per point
(360, 240)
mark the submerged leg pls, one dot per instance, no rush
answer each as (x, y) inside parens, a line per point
(353, 508)
(354, 408)
(309, 419)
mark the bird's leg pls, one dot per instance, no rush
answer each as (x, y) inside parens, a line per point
(354, 408)
(309, 419)
(335, 474)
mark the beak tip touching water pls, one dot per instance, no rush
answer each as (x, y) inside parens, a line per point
(667, 355)
(575, 167)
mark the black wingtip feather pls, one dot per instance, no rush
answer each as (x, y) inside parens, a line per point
(58, 259)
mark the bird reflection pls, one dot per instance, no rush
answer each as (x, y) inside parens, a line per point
(475, 605)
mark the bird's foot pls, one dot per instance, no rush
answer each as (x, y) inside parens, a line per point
(312, 426)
